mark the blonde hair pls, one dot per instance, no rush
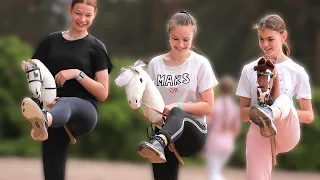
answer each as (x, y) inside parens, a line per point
(92, 3)
(182, 18)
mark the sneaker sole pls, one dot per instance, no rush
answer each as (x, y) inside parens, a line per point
(152, 154)
(260, 118)
(31, 111)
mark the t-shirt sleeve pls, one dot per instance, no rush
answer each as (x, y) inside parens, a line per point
(101, 59)
(303, 89)
(244, 87)
(206, 77)
(42, 50)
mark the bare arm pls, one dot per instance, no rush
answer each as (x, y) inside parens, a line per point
(204, 107)
(306, 113)
(99, 87)
(244, 109)
(275, 93)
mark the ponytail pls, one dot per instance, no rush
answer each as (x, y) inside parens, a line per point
(286, 49)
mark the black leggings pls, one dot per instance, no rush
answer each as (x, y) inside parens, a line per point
(81, 117)
(189, 137)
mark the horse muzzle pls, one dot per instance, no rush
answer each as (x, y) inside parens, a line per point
(36, 94)
(135, 102)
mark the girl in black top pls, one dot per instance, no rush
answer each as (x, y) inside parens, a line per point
(80, 64)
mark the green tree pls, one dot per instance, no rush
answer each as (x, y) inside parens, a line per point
(13, 84)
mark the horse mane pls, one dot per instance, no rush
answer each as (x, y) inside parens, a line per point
(124, 77)
(126, 74)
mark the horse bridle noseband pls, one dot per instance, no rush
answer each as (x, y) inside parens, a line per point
(36, 75)
(264, 95)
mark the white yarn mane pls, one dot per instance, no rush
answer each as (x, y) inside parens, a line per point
(126, 74)
(124, 78)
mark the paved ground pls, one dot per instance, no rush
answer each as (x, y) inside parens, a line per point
(30, 169)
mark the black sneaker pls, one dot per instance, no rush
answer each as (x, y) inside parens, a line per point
(153, 150)
(263, 117)
(38, 119)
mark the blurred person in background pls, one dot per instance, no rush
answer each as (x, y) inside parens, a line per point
(280, 119)
(223, 128)
(80, 65)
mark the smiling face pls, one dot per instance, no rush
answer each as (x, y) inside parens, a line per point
(270, 41)
(82, 16)
(181, 38)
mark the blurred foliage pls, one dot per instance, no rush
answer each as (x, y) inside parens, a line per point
(12, 86)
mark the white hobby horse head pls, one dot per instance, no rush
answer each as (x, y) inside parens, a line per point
(41, 82)
(140, 90)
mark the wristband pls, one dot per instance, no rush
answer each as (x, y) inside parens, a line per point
(81, 76)
(180, 105)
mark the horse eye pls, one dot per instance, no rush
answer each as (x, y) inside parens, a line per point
(35, 74)
(141, 80)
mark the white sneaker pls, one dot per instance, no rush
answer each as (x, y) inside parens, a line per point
(263, 117)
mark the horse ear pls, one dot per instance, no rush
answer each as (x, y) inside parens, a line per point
(135, 69)
(262, 60)
(32, 61)
(140, 62)
(24, 66)
(122, 70)
(260, 65)
(270, 64)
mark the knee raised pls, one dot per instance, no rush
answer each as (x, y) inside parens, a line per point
(175, 110)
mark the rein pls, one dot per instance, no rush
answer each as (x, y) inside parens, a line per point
(151, 108)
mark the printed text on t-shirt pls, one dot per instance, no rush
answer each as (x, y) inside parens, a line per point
(172, 80)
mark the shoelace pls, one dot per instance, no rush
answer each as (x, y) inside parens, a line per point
(151, 133)
(160, 140)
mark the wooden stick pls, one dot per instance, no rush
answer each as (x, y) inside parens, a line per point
(273, 150)
(72, 138)
(172, 148)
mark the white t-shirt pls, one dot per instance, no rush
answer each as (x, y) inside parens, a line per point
(293, 81)
(185, 82)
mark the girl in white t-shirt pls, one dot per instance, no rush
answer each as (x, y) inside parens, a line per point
(185, 80)
(281, 117)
